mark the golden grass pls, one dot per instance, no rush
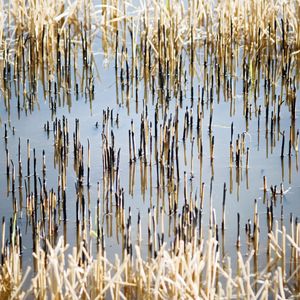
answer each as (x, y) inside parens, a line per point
(192, 271)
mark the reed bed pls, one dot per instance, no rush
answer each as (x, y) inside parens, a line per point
(174, 61)
(193, 271)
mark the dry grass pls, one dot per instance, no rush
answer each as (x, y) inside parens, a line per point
(193, 271)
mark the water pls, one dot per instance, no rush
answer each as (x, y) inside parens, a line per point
(264, 161)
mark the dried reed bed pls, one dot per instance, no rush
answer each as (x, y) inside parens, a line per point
(252, 24)
(44, 40)
(193, 271)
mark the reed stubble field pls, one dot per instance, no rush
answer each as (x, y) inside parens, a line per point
(149, 149)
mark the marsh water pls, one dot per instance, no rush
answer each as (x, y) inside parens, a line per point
(139, 180)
